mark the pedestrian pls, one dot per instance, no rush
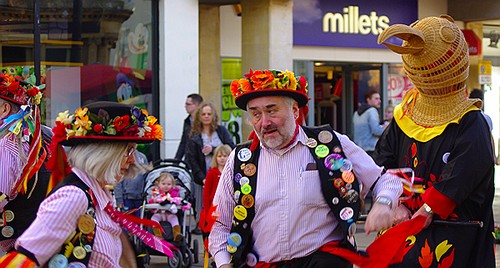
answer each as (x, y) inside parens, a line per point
(308, 196)
(129, 192)
(388, 114)
(24, 180)
(191, 105)
(367, 127)
(76, 224)
(440, 134)
(206, 135)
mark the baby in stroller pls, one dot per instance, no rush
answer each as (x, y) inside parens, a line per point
(165, 192)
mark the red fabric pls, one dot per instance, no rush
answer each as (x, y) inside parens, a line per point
(211, 182)
(439, 203)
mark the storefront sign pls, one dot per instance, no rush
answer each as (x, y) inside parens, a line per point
(344, 23)
(484, 72)
(397, 86)
(473, 42)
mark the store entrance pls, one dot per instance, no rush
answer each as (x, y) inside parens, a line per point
(339, 89)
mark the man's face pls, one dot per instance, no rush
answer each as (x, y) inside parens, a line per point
(374, 100)
(273, 120)
(191, 106)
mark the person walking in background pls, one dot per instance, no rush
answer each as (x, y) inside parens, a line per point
(440, 134)
(191, 105)
(129, 192)
(367, 128)
(18, 155)
(308, 196)
(388, 115)
(206, 135)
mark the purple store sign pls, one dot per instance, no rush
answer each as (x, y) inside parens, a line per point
(348, 23)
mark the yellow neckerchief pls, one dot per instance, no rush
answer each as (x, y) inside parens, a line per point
(420, 133)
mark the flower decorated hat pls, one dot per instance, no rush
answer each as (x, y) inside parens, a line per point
(106, 122)
(260, 83)
(18, 92)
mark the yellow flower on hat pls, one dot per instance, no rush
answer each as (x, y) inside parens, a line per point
(64, 118)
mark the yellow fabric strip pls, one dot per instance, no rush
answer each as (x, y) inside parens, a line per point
(420, 133)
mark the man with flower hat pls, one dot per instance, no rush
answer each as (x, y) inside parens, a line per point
(23, 177)
(76, 225)
(291, 196)
(440, 134)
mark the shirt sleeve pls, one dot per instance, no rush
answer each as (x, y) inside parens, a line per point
(368, 172)
(223, 199)
(118, 191)
(374, 122)
(56, 220)
(10, 167)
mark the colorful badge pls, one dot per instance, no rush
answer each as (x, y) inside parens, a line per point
(76, 265)
(334, 161)
(58, 261)
(244, 154)
(347, 165)
(86, 224)
(351, 196)
(237, 195)
(338, 182)
(246, 188)
(346, 213)
(234, 239)
(352, 229)
(321, 151)
(249, 170)
(337, 149)
(251, 260)
(247, 201)
(335, 200)
(244, 180)
(9, 215)
(7, 231)
(325, 136)
(348, 176)
(231, 249)
(237, 177)
(445, 157)
(240, 212)
(311, 143)
(79, 252)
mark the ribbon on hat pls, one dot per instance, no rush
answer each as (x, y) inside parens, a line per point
(409, 101)
(131, 222)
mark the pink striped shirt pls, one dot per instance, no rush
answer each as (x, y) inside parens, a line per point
(57, 219)
(292, 219)
(10, 169)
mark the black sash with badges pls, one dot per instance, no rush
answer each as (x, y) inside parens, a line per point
(339, 186)
(78, 247)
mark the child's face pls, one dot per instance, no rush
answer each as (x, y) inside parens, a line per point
(166, 184)
(221, 159)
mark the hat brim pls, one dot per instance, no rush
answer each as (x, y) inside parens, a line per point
(13, 101)
(72, 141)
(243, 99)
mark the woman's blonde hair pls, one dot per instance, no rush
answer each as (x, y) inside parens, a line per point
(102, 161)
(163, 176)
(197, 127)
(224, 149)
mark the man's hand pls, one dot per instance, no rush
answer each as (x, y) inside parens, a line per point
(401, 214)
(429, 216)
(380, 217)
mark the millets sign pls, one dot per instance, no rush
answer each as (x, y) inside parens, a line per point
(347, 23)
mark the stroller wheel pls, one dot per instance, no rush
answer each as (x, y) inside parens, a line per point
(176, 261)
(196, 251)
(187, 259)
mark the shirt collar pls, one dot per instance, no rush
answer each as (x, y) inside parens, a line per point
(102, 196)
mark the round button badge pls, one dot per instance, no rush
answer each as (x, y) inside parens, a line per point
(7, 231)
(244, 154)
(311, 143)
(347, 165)
(76, 265)
(231, 249)
(234, 239)
(58, 261)
(249, 170)
(348, 176)
(86, 224)
(240, 212)
(321, 150)
(246, 189)
(346, 213)
(244, 180)
(79, 252)
(325, 136)
(334, 161)
(247, 201)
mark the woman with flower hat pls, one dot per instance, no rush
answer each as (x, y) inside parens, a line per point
(21, 158)
(76, 224)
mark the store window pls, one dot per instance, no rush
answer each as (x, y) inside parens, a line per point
(81, 51)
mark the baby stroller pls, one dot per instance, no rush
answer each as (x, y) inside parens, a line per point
(188, 249)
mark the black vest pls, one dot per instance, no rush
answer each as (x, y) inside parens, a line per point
(339, 187)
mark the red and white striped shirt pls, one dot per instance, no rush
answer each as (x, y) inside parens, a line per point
(10, 170)
(57, 218)
(292, 219)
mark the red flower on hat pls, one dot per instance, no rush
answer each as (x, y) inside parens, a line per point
(261, 79)
(121, 122)
(131, 131)
(98, 128)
